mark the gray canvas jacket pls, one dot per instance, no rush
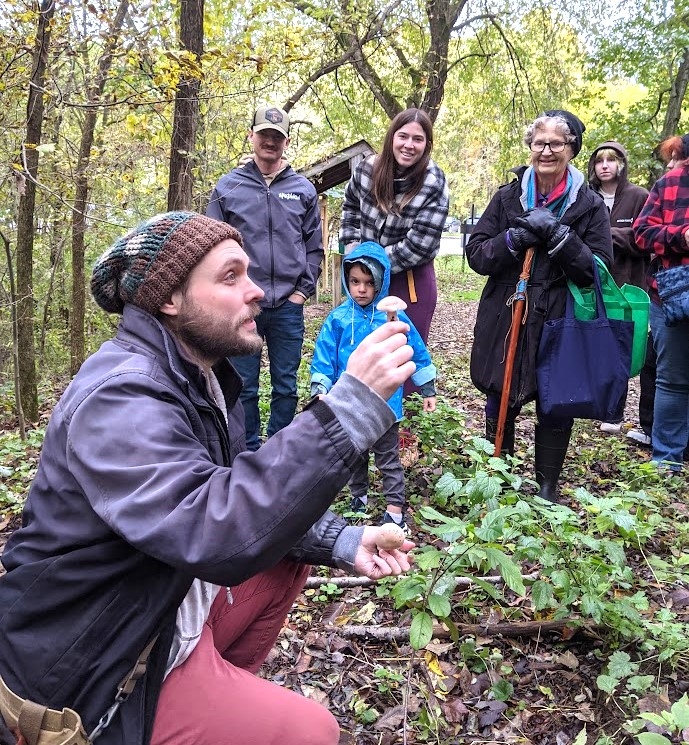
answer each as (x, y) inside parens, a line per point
(143, 487)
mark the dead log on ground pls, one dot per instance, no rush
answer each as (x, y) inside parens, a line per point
(316, 582)
(503, 628)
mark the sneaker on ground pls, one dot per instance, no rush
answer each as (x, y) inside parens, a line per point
(639, 436)
(611, 428)
(387, 518)
(357, 505)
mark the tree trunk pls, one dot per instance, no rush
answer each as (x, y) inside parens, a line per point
(186, 116)
(678, 90)
(429, 94)
(94, 94)
(15, 339)
(28, 393)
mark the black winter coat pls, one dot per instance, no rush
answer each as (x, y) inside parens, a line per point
(488, 254)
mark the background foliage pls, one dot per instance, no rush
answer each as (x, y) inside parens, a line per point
(483, 69)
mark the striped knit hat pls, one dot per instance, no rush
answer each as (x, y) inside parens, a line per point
(151, 261)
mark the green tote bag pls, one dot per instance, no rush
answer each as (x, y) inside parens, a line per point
(626, 303)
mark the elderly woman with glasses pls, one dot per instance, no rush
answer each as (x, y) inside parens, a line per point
(549, 207)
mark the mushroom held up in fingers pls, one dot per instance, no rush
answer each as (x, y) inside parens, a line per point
(391, 305)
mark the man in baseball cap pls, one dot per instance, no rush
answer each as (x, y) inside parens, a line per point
(277, 212)
(271, 117)
(148, 528)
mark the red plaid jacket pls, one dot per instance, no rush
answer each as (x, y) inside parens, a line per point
(663, 221)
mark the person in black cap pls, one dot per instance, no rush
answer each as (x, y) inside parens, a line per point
(551, 208)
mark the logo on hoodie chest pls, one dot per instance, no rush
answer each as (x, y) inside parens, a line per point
(287, 195)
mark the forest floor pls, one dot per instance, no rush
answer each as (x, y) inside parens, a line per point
(437, 695)
(347, 648)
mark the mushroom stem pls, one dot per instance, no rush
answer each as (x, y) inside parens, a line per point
(391, 305)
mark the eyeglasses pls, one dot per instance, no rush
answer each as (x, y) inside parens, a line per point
(556, 146)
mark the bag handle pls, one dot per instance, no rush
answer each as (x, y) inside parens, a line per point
(125, 688)
(30, 721)
(601, 311)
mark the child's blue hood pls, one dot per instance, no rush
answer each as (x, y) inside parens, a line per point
(374, 257)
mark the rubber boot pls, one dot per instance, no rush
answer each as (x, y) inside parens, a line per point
(507, 438)
(551, 449)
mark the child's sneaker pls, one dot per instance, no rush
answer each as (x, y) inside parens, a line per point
(357, 505)
(639, 436)
(611, 428)
(388, 518)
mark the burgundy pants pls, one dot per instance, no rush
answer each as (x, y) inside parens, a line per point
(421, 311)
(215, 698)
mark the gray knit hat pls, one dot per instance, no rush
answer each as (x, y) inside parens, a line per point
(153, 259)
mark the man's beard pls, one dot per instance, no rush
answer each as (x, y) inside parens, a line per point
(213, 338)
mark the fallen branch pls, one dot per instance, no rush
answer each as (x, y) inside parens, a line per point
(503, 628)
(316, 582)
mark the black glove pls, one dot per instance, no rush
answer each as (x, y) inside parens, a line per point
(543, 223)
(522, 238)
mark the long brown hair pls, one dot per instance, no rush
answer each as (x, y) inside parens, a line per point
(384, 165)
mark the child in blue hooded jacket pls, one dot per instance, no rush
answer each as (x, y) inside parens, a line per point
(366, 280)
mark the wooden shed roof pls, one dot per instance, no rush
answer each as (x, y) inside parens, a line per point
(337, 168)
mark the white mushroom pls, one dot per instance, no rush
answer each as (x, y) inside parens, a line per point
(391, 305)
(390, 537)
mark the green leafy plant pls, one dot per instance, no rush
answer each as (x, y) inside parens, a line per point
(388, 680)
(18, 464)
(674, 723)
(621, 668)
(325, 593)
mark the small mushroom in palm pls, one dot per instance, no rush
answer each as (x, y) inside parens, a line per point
(391, 305)
(390, 537)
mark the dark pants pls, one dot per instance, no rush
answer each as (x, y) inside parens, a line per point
(493, 410)
(647, 388)
(671, 400)
(386, 452)
(647, 392)
(282, 329)
(420, 312)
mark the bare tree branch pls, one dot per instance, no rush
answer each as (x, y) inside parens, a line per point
(503, 628)
(315, 582)
(325, 70)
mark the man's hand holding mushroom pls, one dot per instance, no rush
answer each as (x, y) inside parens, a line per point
(391, 305)
(374, 561)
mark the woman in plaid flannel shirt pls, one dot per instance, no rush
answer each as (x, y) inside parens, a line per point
(400, 200)
(662, 228)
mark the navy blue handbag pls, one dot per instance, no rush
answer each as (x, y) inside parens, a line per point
(582, 367)
(673, 291)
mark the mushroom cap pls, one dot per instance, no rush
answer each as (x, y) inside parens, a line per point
(391, 304)
(390, 537)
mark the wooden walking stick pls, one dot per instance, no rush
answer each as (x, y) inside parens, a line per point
(518, 301)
